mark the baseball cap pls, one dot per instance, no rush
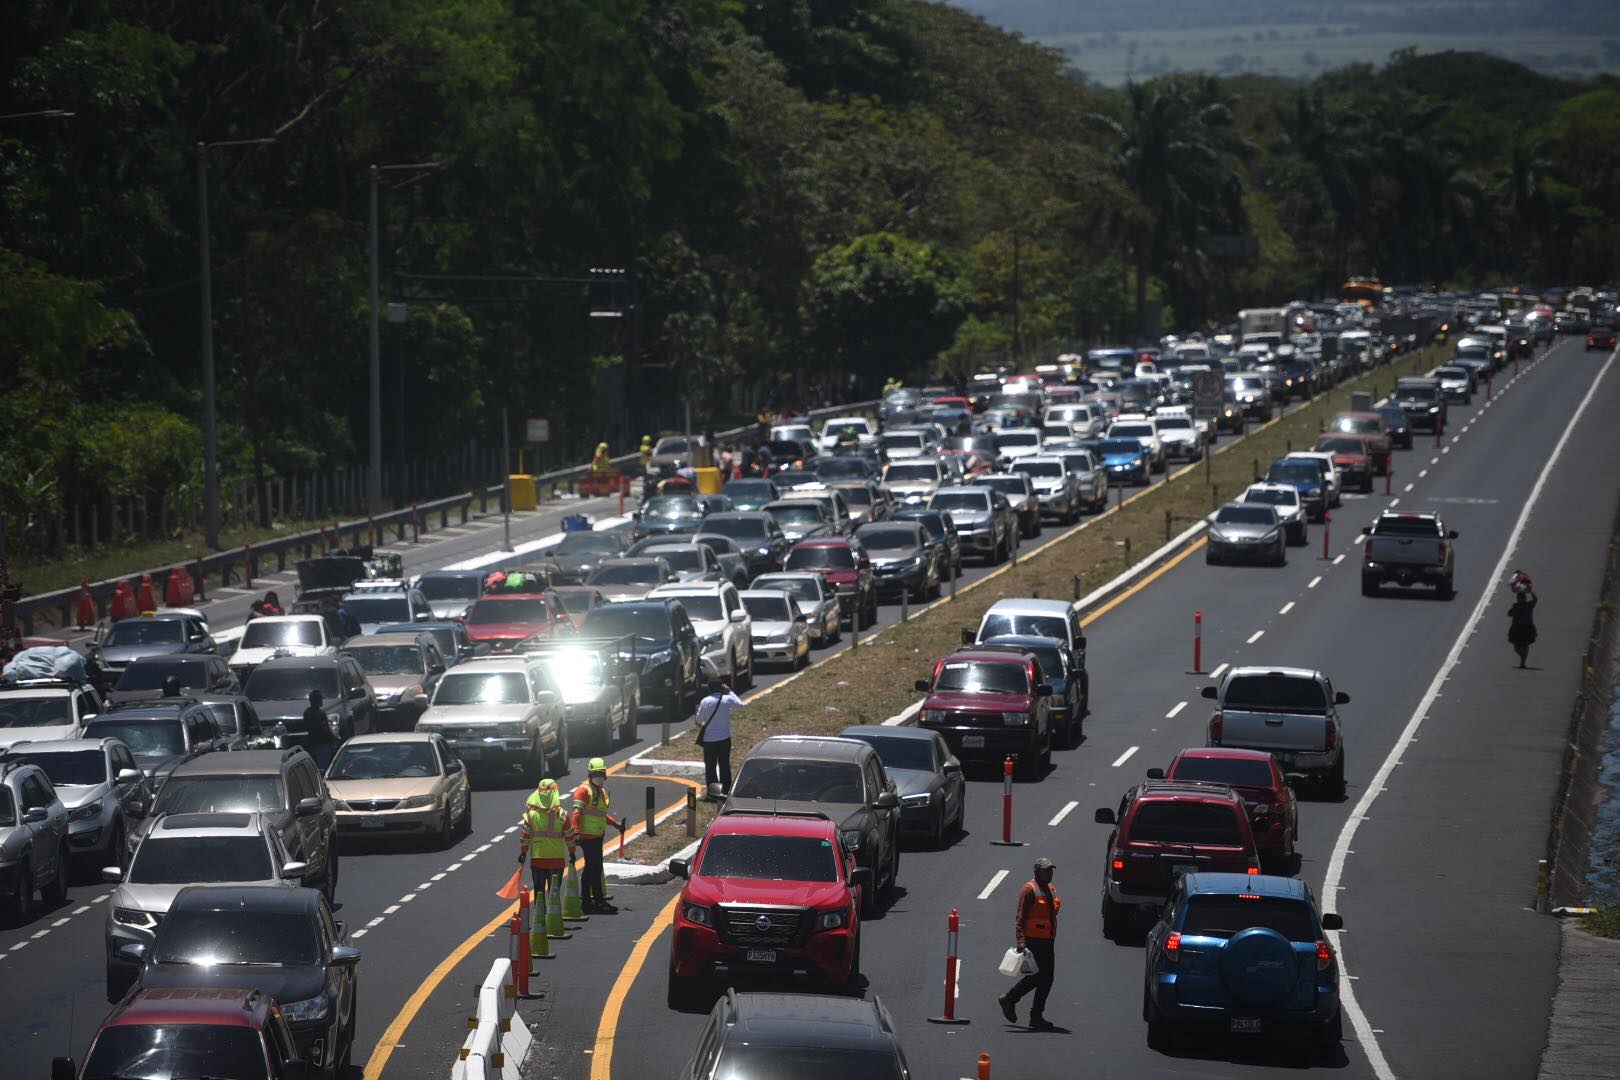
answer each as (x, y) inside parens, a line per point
(1045, 864)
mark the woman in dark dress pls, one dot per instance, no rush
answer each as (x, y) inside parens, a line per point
(1522, 629)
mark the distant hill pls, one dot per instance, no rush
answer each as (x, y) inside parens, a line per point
(1112, 40)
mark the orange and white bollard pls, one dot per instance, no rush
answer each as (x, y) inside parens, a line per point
(950, 1017)
(1389, 477)
(416, 525)
(1327, 532)
(984, 1067)
(1006, 806)
(1198, 643)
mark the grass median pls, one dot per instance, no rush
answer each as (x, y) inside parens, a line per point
(869, 684)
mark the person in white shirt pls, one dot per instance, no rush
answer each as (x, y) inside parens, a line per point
(714, 735)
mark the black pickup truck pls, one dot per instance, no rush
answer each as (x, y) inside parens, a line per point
(1408, 549)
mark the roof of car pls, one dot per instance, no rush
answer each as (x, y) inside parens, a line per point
(277, 662)
(675, 591)
(235, 763)
(1185, 790)
(191, 1005)
(221, 824)
(1271, 885)
(272, 619)
(479, 574)
(887, 731)
(390, 737)
(751, 823)
(1224, 753)
(22, 748)
(1272, 669)
(976, 655)
(257, 898)
(393, 637)
(811, 748)
(820, 1020)
(1029, 605)
(157, 709)
(823, 541)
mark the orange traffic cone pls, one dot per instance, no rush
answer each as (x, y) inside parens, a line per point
(148, 601)
(87, 605)
(509, 891)
(122, 605)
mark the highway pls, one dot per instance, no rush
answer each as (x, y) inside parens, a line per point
(1450, 973)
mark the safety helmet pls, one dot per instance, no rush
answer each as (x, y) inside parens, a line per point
(596, 765)
(547, 790)
(601, 447)
(646, 440)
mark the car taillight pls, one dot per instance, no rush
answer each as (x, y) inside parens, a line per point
(1366, 551)
(1117, 862)
(1324, 956)
(1254, 869)
(1332, 734)
(1172, 946)
(1215, 729)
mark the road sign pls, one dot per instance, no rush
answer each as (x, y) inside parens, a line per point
(538, 430)
(1209, 387)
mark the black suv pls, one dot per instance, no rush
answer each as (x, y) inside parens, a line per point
(143, 678)
(660, 640)
(282, 941)
(283, 785)
(279, 689)
(801, 1034)
(841, 778)
(162, 733)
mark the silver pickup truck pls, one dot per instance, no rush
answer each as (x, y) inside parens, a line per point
(1291, 713)
(1408, 549)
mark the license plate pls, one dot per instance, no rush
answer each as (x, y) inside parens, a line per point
(1246, 1025)
(468, 752)
(762, 956)
(973, 742)
(371, 821)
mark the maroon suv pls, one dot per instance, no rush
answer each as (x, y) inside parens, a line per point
(194, 1031)
(990, 704)
(1166, 828)
(1254, 775)
(843, 562)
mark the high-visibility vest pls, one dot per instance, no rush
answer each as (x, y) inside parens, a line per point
(591, 809)
(1038, 912)
(544, 830)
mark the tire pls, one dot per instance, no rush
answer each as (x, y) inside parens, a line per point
(869, 898)
(118, 985)
(466, 817)
(120, 846)
(1209, 557)
(959, 823)
(855, 967)
(1446, 590)
(1369, 586)
(1046, 753)
(559, 764)
(681, 994)
(22, 901)
(447, 831)
(1115, 918)
(55, 894)
(536, 766)
(894, 866)
(330, 884)
(937, 840)
(1161, 1032)
(1335, 785)
(1329, 1035)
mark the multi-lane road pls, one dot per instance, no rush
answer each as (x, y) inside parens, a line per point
(1453, 761)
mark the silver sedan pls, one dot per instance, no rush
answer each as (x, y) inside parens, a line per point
(1246, 532)
(817, 601)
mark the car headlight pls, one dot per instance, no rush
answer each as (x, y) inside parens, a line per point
(141, 920)
(1013, 719)
(417, 801)
(698, 913)
(834, 920)
(87, 812)
(712, 641)
(314, 1008)
(661, 657)
(511, 729)
(933, 716)
(920, 799)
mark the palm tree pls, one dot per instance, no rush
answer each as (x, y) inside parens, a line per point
(1332, 138)
(1519, 188)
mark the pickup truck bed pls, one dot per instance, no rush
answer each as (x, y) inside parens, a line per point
(1408, 549)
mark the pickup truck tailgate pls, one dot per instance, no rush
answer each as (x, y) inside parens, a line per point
(1275, 732)
(1405, 551)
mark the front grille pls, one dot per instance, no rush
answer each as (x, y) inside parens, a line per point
(781, 926)
(373, 804)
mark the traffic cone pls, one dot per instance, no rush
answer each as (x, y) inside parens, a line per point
(122, 605)
(87, 605)
(571, 907)
(538, 949)
(147, 599)
(509, 891)
(555, 930)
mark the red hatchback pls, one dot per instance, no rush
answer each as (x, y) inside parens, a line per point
(844, 564)
(505, 620)
(771, 894)
(1254, 775)
(192, 1032)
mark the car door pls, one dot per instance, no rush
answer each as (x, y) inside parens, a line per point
(309, 829)
(199, 729)
(546, 708)
(357, 692)
(131, 794)
(888, 821)
(955, 785)
(85, 706)
(453, 778)
(741, 633)
(340, 978)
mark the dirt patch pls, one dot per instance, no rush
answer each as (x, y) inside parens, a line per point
(672, 836)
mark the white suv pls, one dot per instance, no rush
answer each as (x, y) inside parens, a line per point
(725, 632)
(1145, 431)
(865, 431)
(280, 635)
(38, 710)
(1180, 436)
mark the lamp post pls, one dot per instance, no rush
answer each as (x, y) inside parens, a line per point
(632, 310)
(205, 277)
(374, 474)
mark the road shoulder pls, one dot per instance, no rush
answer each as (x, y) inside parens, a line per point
(1583, 1041)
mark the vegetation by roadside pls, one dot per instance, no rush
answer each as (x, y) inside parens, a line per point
(1604, 922)
(871, 683)
(650, 850)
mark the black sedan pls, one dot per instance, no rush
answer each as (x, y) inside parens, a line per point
(933, 795)
(942, 530)
(764, 545)
(904, 559)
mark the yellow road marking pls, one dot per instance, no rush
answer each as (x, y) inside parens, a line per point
(607, 1027)
(1144, 583)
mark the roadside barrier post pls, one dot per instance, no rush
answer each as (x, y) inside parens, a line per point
(1541, 887)
(416, 525)
(1198, 643)
(1167, 526)
(1439, 432)
(949, 1016)
(1389, 477)
(517, 951)
(950, 580)
(984, 1067)
(652, 812)
(905, 602)
(663, 738)
(1327, 531)
(247, 566)
(1076, 586)
(555, 929)
(87, 605)
(691, 819)
(1487, 384)
(1006, 807)
(202, 580)
(1127, 551)
(572, 908)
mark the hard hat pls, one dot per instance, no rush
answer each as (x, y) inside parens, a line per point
(601, 446)
(646, 439)
(548, 784)
(596, 764)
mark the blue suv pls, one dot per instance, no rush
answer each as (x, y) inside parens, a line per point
(1246, 953)
(1125, 462)
(1305, 476)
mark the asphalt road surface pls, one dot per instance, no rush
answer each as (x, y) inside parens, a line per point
(1450, 972)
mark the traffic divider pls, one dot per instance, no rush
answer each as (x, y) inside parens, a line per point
(498, 1041)
(1327, 532)
(1006, 806)
(953, 925)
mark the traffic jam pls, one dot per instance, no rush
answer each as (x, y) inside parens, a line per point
(213, 785)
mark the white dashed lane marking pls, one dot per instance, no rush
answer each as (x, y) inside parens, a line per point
(1057, 819)
(1217, 672)
(994, 881)
(1337, 559)
(1256, 636)
(1315, 581)
(1171, 715)
(1286, 608)
(1126, 756)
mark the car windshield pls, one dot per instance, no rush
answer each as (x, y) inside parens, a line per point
(750, 489)
(1277, 496)
(18, 711)
(806, 590)
(1173, 423)
(959, 500)
(383, 761)
(1227, 916)
(1341, 446)
(903, 440)
(482, 688)
(492, 611)
(149, 674)
(1018, 438)
(200, 860)
(220, 795)
(1132, 430)
(1167, 821)
(681, 559)
(144, 632)
(1393, 416)
(802, 514)
(574, 669)
(389, 659)
(588, 543)
(1119, 446)
(260, 938)
(838, 427)
(576, 601)
(378, 609)
(637, 573)
(857, 496)
(450, 586)
(671, 446)
(664, 507)
(1007, 485)
(152, 739)
(769, 858)
(738, 528)
(264, 634)
(902, 753)
(1080, 462)
(842, 468)
(835, 557)
(768, 608)
(8, 809)
(997, 624)
(1356, 425)
(170, 1050)
(759, 1061)
(1238, 772)
(979, 677)
(287, 683)
(67, 768)
(1416, 393)
(1451, 373)
(1273, 693)
(1039, 468)
(649, 624)
(932, 524)
(702, 607)
(889, 537)
(1246, 515)
(920, 472)
(225, 713)
(1294, 472)
(795, 779)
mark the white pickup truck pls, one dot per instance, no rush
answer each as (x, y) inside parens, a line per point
(1291, 713)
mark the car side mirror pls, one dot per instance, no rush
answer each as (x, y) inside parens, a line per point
(1043, 689)
(293, 869)
(1104, 816)
(1209, 692)
(951, 767)
(35, 814)
(635, 515)
(680, 868)
(112, 875)
(309, 807)
(860, 877)
(546, 697)
(127, 776)
(1080, 642)
(1341, 698)
(968, 634)
(1332, 921)
(133, 951)
(888, 800)
(923, 686)
(345, 955)
(1451, 535)
(739, 616)
(356, 693)
(1155, 774)
(454, 766)
(63, 1069)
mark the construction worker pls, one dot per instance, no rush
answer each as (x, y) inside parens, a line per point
(589, 820)
(600, 465)
(544, 839)
(646, 453)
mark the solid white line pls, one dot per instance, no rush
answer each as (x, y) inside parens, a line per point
(1337, 559)
(1375, 786)
(1286, 608)
(1315, 581)
(1126, 756)
(1171, 715)
(990, 888)
(1057, 819)
(1254, 637)
(1217, 672)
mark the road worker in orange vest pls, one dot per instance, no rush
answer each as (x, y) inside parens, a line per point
(589, 821)
(545, 838)
(1035, 930)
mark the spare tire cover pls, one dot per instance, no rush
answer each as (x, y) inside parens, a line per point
(1259, 967)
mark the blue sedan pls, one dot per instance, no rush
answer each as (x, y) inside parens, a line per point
(1244, 953)
(1125, 460)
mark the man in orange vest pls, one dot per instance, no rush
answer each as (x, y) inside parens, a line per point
(1035, 926)
(544, 839)
(589, 821)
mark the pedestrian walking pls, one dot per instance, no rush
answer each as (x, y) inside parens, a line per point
(714, 736)
(318, 737)
(589, 821)
(1522, 630)
(1035, 930)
